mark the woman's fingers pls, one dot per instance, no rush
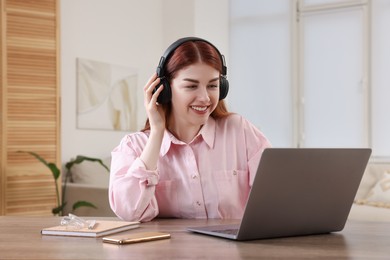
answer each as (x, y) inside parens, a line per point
(151, 84)
(157, 93)
(150, 81)
(150, 97)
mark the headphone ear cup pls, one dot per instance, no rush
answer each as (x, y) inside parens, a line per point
(223, 88)
(166, 94)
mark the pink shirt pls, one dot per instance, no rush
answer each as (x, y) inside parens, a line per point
(207, 178)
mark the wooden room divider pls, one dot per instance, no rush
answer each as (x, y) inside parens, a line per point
(30, 105)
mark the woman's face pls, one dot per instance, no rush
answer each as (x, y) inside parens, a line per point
(195, 95)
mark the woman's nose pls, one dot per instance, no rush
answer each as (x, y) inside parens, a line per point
(203, 94)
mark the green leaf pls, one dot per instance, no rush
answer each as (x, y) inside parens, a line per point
(81, 158)
(36, 156)
(82, 203)
(53, 168)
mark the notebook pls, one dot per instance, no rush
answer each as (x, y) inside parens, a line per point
(298, 191)
(102, 228)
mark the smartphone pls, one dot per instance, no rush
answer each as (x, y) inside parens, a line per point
(136, 238)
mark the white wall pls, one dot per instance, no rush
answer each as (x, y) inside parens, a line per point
(129, 33)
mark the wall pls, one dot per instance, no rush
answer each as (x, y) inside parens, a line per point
(129, 33)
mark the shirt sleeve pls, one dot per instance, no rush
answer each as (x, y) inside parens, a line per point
(256, 142)
(132, 187)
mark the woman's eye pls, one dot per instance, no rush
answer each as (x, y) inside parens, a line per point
(213, 86)
(191, 86)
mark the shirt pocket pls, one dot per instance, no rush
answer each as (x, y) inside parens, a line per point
(233, 189)
(167, 200)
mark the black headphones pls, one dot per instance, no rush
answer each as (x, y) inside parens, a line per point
(166, 94)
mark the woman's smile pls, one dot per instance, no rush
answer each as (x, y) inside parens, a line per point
(200, 108)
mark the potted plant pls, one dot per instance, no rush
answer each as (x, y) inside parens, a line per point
(57, 173)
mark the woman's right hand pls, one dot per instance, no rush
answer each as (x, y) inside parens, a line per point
(154, 111)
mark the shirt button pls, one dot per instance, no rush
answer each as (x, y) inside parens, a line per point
(198, 203)
(234, 172)
(194, 176)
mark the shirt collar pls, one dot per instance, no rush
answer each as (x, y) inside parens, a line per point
(207, 133)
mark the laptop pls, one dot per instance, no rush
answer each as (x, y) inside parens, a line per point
(298, 191)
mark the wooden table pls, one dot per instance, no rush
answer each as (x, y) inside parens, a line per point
(20, 238)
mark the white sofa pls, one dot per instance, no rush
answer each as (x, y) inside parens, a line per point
(372, 201)
(90, 180)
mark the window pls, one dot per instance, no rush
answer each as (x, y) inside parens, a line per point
(332, 87)
(313, 73)
(259, 68)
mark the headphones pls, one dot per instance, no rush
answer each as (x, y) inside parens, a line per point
(166, 94)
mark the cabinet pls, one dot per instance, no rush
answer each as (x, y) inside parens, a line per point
(30, 105)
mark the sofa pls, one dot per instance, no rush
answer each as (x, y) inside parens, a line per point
(372, 201)
(89, 182)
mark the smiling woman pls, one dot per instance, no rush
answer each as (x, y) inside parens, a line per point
(193, 159)
(195, 95)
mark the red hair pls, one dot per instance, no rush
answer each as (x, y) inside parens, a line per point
(186, 54)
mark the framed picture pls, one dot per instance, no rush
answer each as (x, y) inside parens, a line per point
(106, 96)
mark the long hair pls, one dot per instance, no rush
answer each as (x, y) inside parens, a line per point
(186, 54)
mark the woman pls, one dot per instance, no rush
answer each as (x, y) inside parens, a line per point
(193, 159)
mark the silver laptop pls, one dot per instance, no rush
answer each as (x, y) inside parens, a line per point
(298, 191)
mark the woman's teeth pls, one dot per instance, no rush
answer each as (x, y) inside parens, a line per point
(199, 108)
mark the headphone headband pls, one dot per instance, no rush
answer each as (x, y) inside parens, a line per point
(169, 51)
